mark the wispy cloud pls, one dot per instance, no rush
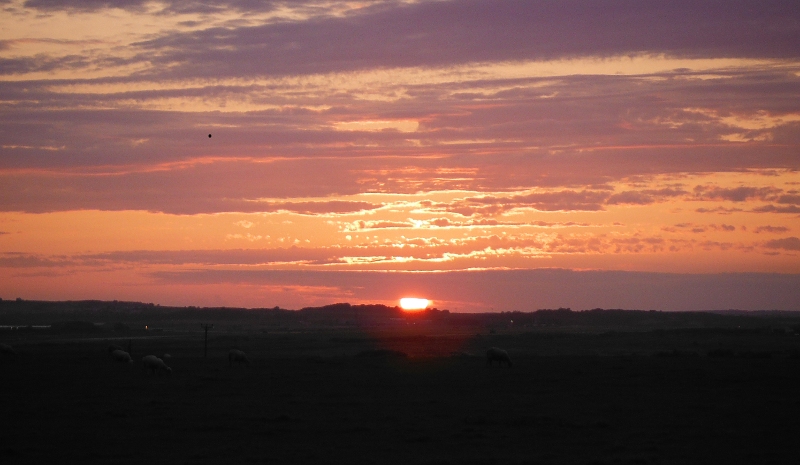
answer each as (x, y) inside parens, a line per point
(772, 229)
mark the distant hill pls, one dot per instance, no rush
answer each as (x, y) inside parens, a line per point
(126, 316)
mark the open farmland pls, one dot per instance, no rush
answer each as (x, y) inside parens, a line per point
(411, 395)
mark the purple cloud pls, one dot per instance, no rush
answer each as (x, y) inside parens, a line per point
(788, 243)
(447, 32)
(773, 209)
(736, 194)
(644, 197)
(771, 229)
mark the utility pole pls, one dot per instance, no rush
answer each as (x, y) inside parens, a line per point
(206, 327)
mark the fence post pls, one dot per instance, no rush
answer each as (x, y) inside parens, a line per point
(206, 327)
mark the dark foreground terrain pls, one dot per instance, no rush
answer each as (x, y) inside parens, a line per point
(654, 397)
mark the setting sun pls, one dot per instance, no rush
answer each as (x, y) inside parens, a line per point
(413, 303)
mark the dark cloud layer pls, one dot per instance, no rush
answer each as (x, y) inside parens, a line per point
(528, 290)
(253, 186)
(788, 243)
(771, 229)
(449, 32)
(737, 194)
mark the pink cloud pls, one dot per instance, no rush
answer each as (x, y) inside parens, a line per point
(773, 209)
(645, 197)
(771, 229)
(788, 243)
(737, 194)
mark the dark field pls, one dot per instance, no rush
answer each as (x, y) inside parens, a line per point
(655, 397)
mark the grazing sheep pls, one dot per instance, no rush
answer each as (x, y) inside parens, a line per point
(121, 356)
(155, 365)
(498, 355)
(113, 347)
(236, 355)
(6, 349)
(166, 356)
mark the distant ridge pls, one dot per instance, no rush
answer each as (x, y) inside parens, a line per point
(121, 314)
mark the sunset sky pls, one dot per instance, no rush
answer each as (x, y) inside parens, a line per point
(485, 154)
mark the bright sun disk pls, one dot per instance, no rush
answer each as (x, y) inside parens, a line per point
(413, 303)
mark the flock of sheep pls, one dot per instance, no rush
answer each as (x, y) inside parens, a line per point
(150, 363)
(155, 365)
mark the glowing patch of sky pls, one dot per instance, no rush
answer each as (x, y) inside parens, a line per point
(367, 80)
(399, 125)
(698, 212)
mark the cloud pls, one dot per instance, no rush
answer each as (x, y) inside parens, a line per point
(774, 209)
(370, 225)
(85, 5)
(645, 197)
(602, 244)
(329, 207)
(457, 252)
(719, 210)
(42, 63)
(228, 186)
(440, 33)
(771, 229)
(580, 142)
(788, 243)
(565, 200)
(793, 199)
(320, 37)
(25, 260)
(736, 194)
(174, 6)
(214, 257)
(699, 228)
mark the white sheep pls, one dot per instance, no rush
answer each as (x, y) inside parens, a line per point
(166, 356)
(113, 347)
(155, 365)
(121, 356)
(6, 349)
(236, 355)
(498, 355)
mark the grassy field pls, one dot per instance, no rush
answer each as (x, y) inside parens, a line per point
(656, 397)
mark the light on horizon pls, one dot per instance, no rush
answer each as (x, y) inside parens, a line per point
(414, 303)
